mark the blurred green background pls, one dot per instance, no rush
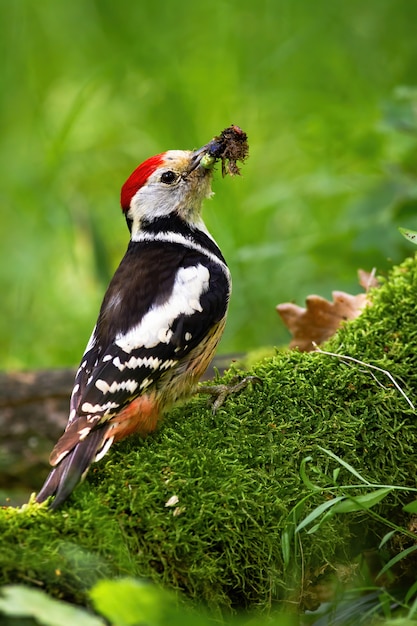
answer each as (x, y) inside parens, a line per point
(89, 89)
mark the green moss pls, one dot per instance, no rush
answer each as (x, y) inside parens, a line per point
(236, 474)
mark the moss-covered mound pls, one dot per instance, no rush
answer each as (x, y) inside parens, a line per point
(202, 505)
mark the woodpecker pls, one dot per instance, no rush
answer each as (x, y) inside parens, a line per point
(160, 321)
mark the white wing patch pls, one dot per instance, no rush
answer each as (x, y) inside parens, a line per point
(104, 387)
(155, 326)
(87, 407)
(150, 362)
(90, 345)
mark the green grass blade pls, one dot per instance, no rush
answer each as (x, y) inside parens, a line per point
(319, 510)
(345, 465)
(410, 594)
(386, 538)
(304, 477)
(362, 502)
(395, 559)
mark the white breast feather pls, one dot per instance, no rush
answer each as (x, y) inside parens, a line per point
(155, 326)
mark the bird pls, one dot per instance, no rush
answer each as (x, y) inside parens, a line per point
(160, 321)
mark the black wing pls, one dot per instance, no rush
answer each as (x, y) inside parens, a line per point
(153, 315)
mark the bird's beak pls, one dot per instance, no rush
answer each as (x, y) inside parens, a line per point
(204, 157)
(229, 147)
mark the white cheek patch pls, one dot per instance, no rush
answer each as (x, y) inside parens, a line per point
(156, 325)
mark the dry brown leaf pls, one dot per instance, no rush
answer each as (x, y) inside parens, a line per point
(320, 318)
(367, 279)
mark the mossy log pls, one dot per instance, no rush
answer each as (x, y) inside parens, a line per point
(205, 504)
(34, 408)
(33, 414)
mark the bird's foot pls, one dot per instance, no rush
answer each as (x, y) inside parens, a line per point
(219, 393)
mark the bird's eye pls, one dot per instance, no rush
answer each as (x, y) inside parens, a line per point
(168, 177)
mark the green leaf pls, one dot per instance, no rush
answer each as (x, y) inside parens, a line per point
(362, 502)
(18, 600)
(286, 538)
(395, 559)
(129, 601)
(411, 507)
(411, 594)
(319, 510)
(345, 465)
(304, 476)
(413, 608)
(315, 528)
(386, 538)
(411, 235)
(336, 473)
(343, 504)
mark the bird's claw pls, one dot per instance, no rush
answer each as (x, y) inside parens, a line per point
(219, 393)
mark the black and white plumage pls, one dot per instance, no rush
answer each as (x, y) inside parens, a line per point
(160, 321)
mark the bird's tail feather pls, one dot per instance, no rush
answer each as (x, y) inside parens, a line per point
(73, 468)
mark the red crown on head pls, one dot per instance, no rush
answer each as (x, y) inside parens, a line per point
(138, 178)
